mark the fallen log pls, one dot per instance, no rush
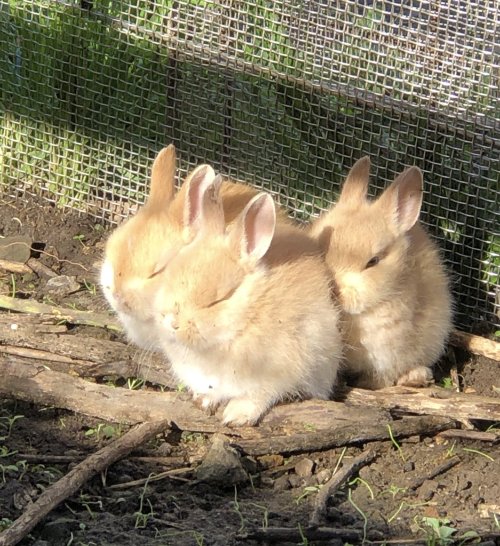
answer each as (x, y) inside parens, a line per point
(92, 357)
(75, 478)
(477, 345)
(27, 338)
(289, 428)
(431, 401)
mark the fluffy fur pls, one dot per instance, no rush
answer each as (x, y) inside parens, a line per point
(244, 313)
(390, 280)
(140, 247)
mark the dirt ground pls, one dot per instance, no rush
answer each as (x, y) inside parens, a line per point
(384, 502)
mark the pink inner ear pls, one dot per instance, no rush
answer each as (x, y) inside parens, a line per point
(409, 197)
(260, 223)
(198, 184)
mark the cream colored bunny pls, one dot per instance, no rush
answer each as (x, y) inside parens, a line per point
(389, 278)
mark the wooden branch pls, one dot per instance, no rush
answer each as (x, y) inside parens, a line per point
(70, 483)
(15, 267)
(296, 535)
(477, 345)
(432, 401)
(335, 482)
(352, 434)
(88, 318)
(78, 355)
(474, 435)
(172, 474)
(440, 469)
(46, 387)
(290, 428)
(40, 268)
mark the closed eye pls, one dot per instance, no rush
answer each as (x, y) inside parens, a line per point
(162, 264)
(157, 272)
(227, 296)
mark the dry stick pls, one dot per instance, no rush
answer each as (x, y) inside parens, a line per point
(287, 534)
(44, 386)
(74, 479)
(41, 269)
(335, 482)
(88, 318)
(353, 434)
(15, 267)
(433, 401)
(474, 435)
(155, 478)
(475, 344)
(68, 459)
(41, 355)
(440, 469)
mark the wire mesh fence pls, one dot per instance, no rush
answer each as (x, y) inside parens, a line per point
(283, 94)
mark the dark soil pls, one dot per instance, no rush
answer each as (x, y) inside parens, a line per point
(382, 502)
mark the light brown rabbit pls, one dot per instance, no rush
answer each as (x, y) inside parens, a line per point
(244, 313)
(152, 236)
(390, 280)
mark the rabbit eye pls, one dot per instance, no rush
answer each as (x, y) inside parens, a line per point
(157, 272)
(223, 298)
(373, 262)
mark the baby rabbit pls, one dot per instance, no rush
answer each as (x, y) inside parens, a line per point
(390, 280)
(244, 313)
(156, 232)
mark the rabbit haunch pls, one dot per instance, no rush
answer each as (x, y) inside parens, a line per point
(244, 313)
(151, 237)
(390, 280)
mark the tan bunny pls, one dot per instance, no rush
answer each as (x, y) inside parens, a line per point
(390, 280)
(154, 235)
(244, 312)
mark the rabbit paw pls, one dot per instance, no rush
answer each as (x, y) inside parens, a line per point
(418, 377)
(243, 411)
(206, 403)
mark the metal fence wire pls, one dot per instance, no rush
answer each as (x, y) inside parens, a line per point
(285, 95)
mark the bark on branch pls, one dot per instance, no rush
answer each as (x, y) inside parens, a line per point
(70, 483)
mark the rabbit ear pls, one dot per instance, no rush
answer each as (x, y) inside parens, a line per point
(255, 227)
(202, 204)
(355, 186)
(402, 200)
(162, 186)
(194, 189)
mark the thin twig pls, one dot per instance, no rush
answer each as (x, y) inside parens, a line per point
(173, 474)
(474, 435)
(79, 475)
(88, 318)
(440, 469)
(296, 535)
(335, 482)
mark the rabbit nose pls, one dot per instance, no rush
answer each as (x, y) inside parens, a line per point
(171, 321)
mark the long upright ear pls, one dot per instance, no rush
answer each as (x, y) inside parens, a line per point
(202, 202)
(402, 200)
(355, 187)
(162, 186)
(254, 229)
